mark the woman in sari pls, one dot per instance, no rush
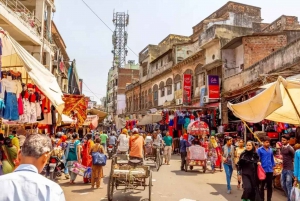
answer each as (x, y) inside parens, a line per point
(86, 148)
(9, 155)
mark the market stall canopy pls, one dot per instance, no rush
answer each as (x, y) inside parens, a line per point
(279, 102)
(15, 57)
(99, 113)
(76, 104)
(65, 119)
(150, 119)
(198, 128)
(91, 121)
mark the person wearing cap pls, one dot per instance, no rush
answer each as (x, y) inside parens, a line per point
(136, 145)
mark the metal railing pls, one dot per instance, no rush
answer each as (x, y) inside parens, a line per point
(27, 18)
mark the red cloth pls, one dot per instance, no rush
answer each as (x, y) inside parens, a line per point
(171, 131)
(179, 133)
(32, 98)
(20, 105)
(185, 136)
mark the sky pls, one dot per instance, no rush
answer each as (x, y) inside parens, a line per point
(89, 41)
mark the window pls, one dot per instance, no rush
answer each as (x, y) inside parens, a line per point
(169, 86)
(162, 93)
(116, 82)
(169, 89)
(156, 66)
(145, 69)
(156, 95)
(161, 62)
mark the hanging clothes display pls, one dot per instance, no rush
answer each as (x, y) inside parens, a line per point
(12, 90)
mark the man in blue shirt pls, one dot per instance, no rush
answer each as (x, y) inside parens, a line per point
(25, 183)
(265, 154)
(184, 144)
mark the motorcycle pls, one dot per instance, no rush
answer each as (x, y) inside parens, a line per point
(54, 168)
(110, 151)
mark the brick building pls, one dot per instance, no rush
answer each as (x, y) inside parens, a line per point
(118, 78)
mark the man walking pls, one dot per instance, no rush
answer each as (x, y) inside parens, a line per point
(168, 141)
(184, 144)
(265, 154)
(287, 153)
(103, 137)
(25, 183)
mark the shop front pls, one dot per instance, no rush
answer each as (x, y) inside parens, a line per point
(29, 93)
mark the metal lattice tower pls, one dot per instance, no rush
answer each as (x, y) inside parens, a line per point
(119, 38)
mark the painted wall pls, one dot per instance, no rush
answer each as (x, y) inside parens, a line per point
(121, 105)
(212, 50)
(162, 100)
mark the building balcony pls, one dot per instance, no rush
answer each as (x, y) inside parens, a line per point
(285, 59)
(162, 69)
(21, 24)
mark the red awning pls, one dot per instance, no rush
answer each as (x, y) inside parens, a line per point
(212, 105)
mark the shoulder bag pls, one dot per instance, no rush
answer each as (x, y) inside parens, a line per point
(261, 173)
(99, 158)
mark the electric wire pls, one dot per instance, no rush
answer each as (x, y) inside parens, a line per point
(105, 23)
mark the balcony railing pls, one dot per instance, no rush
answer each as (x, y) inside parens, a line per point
(162, 69)
(16, 8)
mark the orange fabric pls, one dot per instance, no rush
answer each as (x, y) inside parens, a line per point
(62, 139)
(136, 144)
(75, 103)
(86, 157)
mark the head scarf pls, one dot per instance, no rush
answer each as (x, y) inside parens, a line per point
(125, 131)
(213, 142)
(185, 136)
(135, 131)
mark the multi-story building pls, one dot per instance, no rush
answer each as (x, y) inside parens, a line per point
(30, 24)
(163, 68)
(60, 60)
(118, 78)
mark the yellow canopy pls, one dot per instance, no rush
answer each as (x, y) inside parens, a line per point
(280, 102)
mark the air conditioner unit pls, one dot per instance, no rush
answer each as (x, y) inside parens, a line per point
(179, 101)
(205, 99)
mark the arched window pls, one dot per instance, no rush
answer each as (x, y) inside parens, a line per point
(150, 98)
(199, 76)
(177, 82)
(155, 94)
(142, 100)
(169, 83)
(162, 88)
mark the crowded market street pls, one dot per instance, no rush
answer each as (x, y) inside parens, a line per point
(169, 184)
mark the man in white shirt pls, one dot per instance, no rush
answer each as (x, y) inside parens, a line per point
(123, 141)
(25, 183)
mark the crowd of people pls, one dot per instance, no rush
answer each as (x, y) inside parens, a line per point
(35, 150)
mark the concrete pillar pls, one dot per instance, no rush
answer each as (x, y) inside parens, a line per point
(49, 21)
(39, 13)
(49, 61)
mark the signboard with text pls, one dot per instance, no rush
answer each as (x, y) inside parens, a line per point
(213, 87)
(187, 88)
(202, 94)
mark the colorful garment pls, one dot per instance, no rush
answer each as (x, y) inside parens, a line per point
(86, 157)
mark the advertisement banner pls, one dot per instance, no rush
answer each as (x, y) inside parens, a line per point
(213, 87)
(187, 88)
(202, 94)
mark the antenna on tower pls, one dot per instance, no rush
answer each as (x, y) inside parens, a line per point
(119, 38)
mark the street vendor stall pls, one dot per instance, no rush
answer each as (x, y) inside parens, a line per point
(29, 92)
(279, 102)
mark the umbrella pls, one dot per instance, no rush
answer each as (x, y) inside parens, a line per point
(150, 119)
(279, 102)
(198, 128)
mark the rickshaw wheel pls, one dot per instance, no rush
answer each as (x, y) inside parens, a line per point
(110, 189)
(150, 186)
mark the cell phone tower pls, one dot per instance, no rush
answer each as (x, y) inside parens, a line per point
(119, 38)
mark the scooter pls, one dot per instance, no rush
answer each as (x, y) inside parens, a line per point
(54, 168)
(110, 151)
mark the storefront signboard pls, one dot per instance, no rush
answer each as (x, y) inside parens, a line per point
(187, 88)
(202, 94)
(213, 87)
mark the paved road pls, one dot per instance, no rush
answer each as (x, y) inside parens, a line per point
(169, 184)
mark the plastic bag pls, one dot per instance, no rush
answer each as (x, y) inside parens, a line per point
(295, 194)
